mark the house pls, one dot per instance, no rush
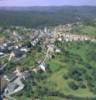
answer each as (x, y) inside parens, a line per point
(13, 87)
(16, 53)
(57, 50)
(11, 77)
(60, 39)
(43, 67)
(1, 53)
(40, 66)
(26, 74)
(4, 49)
(24, 50)
(50, 48)
(35, 41)
(14, 84)
(5, 44)
(17, 36)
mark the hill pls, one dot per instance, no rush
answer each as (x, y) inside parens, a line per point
(45, 16)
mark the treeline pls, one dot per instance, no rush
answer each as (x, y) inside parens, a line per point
(39, 17)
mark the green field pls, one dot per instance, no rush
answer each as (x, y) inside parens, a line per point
(60, 77)
(85, 30)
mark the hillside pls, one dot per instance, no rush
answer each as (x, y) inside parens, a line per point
(44, 16)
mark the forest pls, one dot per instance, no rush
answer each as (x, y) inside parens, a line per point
(46, 16)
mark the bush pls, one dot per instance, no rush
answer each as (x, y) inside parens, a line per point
(77, 73)
(82, 85)
(73, 85)
(88, 66)
(65, 77)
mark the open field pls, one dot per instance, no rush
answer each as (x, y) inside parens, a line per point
(61, 70)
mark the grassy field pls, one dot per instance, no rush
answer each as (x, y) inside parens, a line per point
(61, 68)
(85, 29)
(62, 85)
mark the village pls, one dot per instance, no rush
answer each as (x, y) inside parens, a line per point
(17, 45)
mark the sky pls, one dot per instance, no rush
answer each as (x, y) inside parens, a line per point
(46, 2)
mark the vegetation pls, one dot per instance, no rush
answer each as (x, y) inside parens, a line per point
(41, 17)
(70, 74)
(85, 29)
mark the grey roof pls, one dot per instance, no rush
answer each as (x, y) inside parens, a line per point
(12, 77)
(18, 53)
(12, 86)
(27, 74)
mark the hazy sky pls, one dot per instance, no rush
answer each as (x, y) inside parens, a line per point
(46, 2)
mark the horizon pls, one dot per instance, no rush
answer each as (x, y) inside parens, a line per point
(49, 6)
(46, 3)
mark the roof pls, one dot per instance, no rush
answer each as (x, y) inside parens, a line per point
(42, 66)
(12, 77)
(18, 53)
(11, 87)
(27, 74)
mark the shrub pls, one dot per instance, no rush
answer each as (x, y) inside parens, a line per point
(73, 85)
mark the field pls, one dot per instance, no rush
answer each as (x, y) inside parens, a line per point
(85, 30)
(70, 74)
(60, 70)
